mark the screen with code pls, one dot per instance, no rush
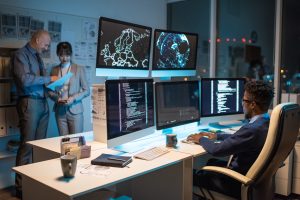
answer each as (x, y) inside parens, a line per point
(129, 105)
(221, 96)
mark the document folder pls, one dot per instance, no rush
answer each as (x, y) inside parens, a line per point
(112, 160)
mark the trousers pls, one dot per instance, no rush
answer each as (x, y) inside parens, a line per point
(67, 122)
(33, 121)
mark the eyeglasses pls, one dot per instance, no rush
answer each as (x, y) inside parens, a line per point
(246, 101)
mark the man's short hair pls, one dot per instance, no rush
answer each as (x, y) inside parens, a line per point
(261, 92)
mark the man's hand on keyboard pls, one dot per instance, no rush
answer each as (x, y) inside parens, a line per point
(197, 136)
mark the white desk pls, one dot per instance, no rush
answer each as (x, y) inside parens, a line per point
(166, 177)
(49, 148)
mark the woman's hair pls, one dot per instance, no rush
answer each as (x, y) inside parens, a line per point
(64, 48)
(261, 92)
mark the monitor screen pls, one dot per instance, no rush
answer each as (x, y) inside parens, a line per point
(130, 110)
(122, 47)
(175, 52)
(221, 96)
(177, 103)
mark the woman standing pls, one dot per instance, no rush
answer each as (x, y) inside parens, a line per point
(68, 106)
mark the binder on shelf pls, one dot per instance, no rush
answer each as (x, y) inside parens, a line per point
(4, 93)
(112, 160)
(2, 122)
(12, 120)
(2, 66)
(5, 66)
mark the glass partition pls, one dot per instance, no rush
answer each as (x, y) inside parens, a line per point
(193, 16)
(290, 55)
(245, 39)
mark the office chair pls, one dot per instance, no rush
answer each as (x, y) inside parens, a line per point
(258, 183)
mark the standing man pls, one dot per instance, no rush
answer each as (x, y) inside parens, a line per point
(32, 107)
(245, 144)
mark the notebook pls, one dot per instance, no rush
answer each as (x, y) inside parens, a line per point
(112, 160)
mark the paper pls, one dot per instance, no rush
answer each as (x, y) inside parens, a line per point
(60, 81)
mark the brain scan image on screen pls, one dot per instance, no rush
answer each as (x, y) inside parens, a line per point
(123, 46)
(174, 51)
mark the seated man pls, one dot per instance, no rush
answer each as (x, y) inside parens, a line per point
(245, 144)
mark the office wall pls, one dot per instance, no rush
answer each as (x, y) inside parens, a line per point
(151, 13)
(72, 15)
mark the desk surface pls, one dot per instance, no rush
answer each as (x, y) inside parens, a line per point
(53, 144)
(82, 183)
(49, 172)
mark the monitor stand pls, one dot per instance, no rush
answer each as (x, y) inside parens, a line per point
(227, 124)
(146, 142)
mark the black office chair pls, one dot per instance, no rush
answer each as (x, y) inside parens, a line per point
(258, 183)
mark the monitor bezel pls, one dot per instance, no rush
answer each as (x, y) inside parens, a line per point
(156, 84)
(202, 93)
(109, 68)
(116, 141)
(189, 70)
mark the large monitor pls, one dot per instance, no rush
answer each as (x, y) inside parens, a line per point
(174, 53)
(130, 110)
(221, 96)
(177, 103)
(123, 49)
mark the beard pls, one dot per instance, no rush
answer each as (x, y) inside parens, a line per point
(247, 116)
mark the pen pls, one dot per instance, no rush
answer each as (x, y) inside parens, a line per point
(118, 159)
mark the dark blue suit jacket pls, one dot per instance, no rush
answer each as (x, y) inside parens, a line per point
(245, 144)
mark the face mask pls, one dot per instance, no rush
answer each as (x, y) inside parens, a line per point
(66, 64)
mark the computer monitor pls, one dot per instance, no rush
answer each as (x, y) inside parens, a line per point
(130, 110)
(221, 96)
(123, 49)
(174, 53)
(177, 103)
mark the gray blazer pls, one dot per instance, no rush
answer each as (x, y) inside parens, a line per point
(78, 88)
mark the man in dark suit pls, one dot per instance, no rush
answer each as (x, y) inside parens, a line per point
(244, 145)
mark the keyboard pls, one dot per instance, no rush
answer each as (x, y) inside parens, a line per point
(152, 153)
(187, 141)
(231, 122)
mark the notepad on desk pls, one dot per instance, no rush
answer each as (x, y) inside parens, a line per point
(111, 160)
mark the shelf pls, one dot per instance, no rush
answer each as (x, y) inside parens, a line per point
(9, 135)
(7, 154)
(7, 105)
(6, 79)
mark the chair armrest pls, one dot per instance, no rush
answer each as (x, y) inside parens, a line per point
(228, 172)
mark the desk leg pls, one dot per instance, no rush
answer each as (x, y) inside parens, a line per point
(172, 182)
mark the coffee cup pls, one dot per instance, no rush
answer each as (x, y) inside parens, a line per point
(68, 165)
(171, 140)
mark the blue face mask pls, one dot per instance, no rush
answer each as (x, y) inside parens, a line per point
(67, 64)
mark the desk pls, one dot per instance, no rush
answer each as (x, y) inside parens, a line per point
(46, 149)
(166, 177)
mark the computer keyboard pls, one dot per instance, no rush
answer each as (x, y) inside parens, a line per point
(231, 122)
(187, 141)
(152, 153)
